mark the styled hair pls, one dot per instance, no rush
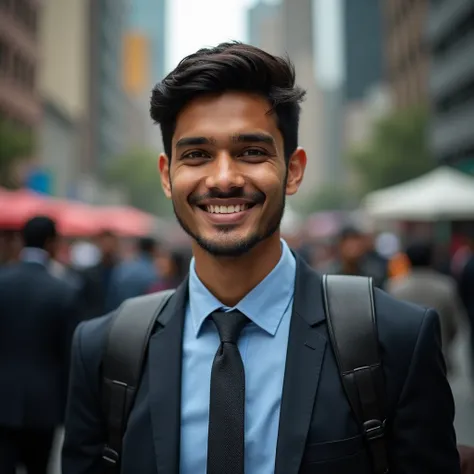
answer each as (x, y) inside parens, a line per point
(38, 232)
(230, 67)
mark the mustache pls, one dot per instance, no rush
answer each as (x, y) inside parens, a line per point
(256, 197)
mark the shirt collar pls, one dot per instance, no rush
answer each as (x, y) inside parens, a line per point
(34, 255)
(265, 305)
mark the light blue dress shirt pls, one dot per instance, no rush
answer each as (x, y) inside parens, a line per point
(262, 345)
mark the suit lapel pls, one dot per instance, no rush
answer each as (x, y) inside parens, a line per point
(305, 354)
(164, 360)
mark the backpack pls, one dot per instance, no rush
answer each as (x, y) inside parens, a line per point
(353, 335)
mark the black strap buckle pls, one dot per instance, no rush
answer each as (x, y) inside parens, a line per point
(374, 429)
(110, 457)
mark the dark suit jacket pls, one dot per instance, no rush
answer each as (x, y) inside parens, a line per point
(317, 433)
(94, 290)
(38, 315)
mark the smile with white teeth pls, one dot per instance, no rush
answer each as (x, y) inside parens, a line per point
(227, 209)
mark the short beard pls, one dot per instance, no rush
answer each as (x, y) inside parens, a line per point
(237, 249)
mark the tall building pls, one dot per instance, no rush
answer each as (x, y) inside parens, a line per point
(19, 61)
(106, 97)
(450, 35)
(63, 84)
(143, 66)
(264, 26)
(363, 51)
(405, 50)
(364, 96)
(298, 42)
(148, 18)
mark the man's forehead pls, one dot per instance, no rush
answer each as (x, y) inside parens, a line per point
(226, 118)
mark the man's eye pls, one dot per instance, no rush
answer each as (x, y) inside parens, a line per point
(254, 152)
(195, 154)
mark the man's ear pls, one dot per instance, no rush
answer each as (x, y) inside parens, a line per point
(296, 167)
(164, 168)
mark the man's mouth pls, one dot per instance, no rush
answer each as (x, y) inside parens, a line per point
(233, 209)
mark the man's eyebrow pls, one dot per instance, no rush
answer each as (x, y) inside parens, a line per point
(254, 138)
(192, 141)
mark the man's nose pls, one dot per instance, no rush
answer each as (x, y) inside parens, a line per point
(225, 173)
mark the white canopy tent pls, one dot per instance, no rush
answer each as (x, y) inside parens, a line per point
(444, 193)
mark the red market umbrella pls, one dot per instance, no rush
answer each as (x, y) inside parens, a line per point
(126, 221)
(75, 219)
(16, 207)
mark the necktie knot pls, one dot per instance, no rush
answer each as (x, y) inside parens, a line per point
(229, 325)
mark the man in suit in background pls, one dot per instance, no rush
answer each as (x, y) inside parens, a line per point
(98, 277)
(426, 286)
(240, 374)
(133, 277)
(38, 315)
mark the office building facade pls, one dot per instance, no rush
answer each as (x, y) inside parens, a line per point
(363, 50)
(19, 62)
(407, 65)
(107, 103)
(450, 36)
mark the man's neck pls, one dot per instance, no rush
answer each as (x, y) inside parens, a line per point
(229, 279)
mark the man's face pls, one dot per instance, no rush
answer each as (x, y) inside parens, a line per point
(108, 245)
(352, 248)
(228, 178)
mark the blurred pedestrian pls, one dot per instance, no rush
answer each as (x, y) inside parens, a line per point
(466, 288)
(466, 453)
(172, 267)
(428, 287)
(356, 257)
(98, 276)
(133, 277)
(38, 314)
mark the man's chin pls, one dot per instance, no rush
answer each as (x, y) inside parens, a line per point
(219, 247)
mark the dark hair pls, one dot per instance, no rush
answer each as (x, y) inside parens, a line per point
(147, 245)
(420, 254)
(349, 232)
(38, 231)
(230, 67)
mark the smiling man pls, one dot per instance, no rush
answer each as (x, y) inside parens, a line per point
(240, 375)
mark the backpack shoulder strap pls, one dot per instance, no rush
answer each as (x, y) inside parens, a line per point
(352, 327)
(122, 366)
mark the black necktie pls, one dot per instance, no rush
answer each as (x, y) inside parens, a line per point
(226, 411)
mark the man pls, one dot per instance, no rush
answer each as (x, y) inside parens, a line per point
(38, 314)
(430, 288)
(240, 371)
(97, 278)
(356, 257)
(466, 285)
(133, 277)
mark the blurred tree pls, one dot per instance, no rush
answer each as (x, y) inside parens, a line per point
(331, 197)
(16, 145)
(137, 173)
(397, 152)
